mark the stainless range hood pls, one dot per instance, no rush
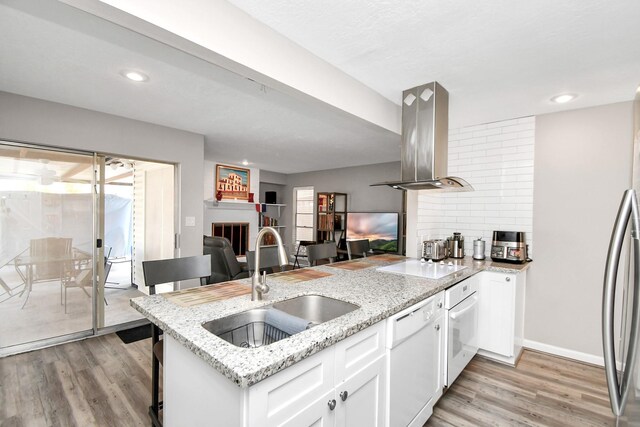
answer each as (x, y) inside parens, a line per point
(425, 135)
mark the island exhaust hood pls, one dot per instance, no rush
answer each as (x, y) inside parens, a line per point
(425, 137)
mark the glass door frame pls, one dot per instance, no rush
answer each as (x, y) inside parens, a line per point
(98, 201)
(83, 333)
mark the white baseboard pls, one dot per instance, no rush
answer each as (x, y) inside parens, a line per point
(564, 352)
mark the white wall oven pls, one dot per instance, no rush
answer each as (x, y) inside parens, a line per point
(461, 325)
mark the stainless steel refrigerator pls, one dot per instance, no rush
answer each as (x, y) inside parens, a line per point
(623, 368)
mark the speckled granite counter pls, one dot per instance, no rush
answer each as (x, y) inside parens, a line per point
(379, 295)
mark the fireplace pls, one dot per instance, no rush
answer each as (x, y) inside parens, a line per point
(236, 232)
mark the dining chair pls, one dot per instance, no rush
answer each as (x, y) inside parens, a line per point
(166, 271)
(301, 251)
(358, 248)
(321, 251)
(80, 276)
(269, 260)
(51, 252)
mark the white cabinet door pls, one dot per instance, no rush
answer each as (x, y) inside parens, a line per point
(273, 400)
(496, 313)
(501, 314)
(360, 359)
(361, 397)
(317, 414)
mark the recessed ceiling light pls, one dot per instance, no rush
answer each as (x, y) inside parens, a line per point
(136, 76)
(245, 163)
(565, 97)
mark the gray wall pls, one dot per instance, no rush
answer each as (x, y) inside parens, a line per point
(41, 122)
(582, 166)
(355, 181)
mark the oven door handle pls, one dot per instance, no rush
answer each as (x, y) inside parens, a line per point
(455, 314)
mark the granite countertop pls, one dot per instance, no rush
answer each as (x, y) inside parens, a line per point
(379, 295)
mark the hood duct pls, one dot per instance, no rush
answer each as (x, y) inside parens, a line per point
(425, 137)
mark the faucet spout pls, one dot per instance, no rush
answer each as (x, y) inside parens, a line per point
(259, 284)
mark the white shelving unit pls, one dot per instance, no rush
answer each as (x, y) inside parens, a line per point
(279, 207)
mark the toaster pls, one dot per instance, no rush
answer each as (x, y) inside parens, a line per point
(509, 246)
(435, 250)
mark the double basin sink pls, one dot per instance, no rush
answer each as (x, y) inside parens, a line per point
(264, 325)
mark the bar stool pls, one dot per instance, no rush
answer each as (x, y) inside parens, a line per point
(156, 273)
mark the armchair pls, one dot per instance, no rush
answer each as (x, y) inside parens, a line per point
(224, 264)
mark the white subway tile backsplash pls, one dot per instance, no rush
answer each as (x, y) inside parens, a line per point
(473, 128)
(497, 160)
(487, 132)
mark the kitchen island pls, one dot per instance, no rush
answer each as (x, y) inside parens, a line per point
(236, 371)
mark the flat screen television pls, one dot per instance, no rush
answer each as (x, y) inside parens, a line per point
(381, 228)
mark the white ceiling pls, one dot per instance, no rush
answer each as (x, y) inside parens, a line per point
(499, 59)
(54, 52)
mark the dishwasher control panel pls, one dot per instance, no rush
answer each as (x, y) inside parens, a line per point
(407, 322)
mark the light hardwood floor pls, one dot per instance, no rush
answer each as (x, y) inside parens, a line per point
(95, 382)
(542, 391)
(103, 382)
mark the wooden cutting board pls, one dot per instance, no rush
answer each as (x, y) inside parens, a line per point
(206, 294)
(387, 257)
(351, 265)
(301, 275)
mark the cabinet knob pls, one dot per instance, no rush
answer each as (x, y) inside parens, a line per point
(440, 304)
(508, 279)
(332, 404)
(437, 327)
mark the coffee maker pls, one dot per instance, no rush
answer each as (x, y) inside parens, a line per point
(456, 246)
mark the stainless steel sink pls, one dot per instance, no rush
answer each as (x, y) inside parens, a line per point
(249, 328)
(315, 308)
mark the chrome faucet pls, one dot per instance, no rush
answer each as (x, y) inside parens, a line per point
(258, 283)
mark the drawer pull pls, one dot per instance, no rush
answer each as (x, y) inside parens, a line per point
(508, 279)
(437, 327)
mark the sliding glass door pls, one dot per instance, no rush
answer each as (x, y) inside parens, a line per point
(47, 244)
(74, 231)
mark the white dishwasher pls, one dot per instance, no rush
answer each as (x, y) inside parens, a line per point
(415, 339)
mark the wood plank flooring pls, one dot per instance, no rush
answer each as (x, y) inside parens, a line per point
(95, 382)
(542, 391)
(103, 382)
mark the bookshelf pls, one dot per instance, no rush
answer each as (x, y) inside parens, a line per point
(331, 217)
(268, 218)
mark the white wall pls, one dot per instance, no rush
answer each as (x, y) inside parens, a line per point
(497, 159)
(583, 164)
(356, 182)
(57, 125)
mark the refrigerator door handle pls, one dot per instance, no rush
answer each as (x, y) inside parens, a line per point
(608, 300)
(625, 385)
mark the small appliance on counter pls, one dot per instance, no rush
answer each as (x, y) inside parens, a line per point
(478, 249)
(456, 246)
(509, 246)
(434, 250)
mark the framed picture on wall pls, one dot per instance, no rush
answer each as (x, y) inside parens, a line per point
(232, 182)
